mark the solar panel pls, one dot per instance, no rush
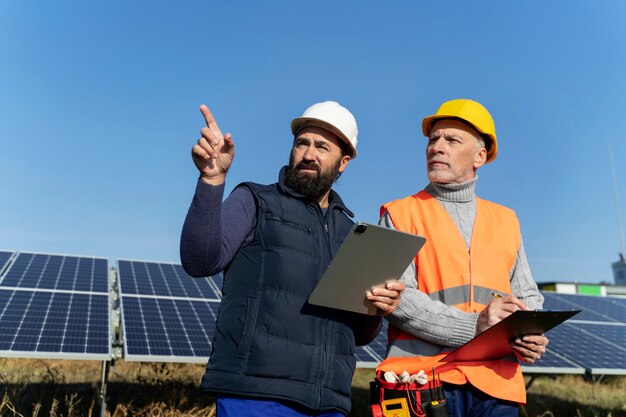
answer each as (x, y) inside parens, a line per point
(58, 272)
(5, 256)
(593, 341)
(219, 282)
(619, 301)
(163, 279)
(168, 330)
(167, 316)
(45, 312)
(600, 309)
(587, 347)
(371, 355)
(552, 363)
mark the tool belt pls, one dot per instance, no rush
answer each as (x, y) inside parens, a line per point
(407, 399)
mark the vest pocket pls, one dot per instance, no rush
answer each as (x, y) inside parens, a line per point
(249, 324)
(270, 216)
(288, 233)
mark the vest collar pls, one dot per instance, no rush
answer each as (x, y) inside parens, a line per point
(334, 201)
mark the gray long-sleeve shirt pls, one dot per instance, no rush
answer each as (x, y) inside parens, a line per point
(432, 320)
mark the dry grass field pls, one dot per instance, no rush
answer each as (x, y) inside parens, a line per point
(37, 388)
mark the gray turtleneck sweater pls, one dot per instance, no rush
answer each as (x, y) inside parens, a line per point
(432, 320)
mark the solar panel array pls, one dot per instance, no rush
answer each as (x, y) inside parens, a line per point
(593, 341)
(54, 306)
(59, 306)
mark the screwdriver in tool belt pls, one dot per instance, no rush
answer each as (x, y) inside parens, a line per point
(434, 395)
(431, 388)
(438, 406)
(442, 397)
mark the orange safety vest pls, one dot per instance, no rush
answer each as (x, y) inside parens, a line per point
(448, 272)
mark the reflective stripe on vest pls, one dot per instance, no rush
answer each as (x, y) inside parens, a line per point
(461, 295)
(448, 272)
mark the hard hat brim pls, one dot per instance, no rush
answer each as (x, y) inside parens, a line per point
(300, 122)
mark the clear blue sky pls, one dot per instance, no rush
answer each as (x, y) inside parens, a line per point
(98, 112)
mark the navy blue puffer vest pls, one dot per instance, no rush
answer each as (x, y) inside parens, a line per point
(269, 342)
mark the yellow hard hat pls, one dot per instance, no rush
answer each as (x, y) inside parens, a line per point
(470, 112)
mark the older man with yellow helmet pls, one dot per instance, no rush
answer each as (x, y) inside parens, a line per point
(471, 273)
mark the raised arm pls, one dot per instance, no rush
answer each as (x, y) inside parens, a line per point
(206, 247)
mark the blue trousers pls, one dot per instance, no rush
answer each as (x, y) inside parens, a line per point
(245, 407)
(467, 401)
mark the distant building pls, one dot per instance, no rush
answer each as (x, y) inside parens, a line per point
(602, 289)
(619, 270)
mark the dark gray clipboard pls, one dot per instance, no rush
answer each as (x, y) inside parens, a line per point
(369, 255)
(494, 343)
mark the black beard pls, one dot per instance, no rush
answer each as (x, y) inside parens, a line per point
(312, 187)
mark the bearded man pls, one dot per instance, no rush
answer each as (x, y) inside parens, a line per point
(274, 353)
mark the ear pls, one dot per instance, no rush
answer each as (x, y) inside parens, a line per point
(344, 163)
(480, 157)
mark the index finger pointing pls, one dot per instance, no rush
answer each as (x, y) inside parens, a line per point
(209, 119)
(208, 116)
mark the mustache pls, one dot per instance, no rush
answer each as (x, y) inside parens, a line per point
(308, 165)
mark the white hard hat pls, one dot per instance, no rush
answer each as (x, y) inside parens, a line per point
(331, 116)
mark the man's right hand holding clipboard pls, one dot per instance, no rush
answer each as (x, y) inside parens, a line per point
(528, 348)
